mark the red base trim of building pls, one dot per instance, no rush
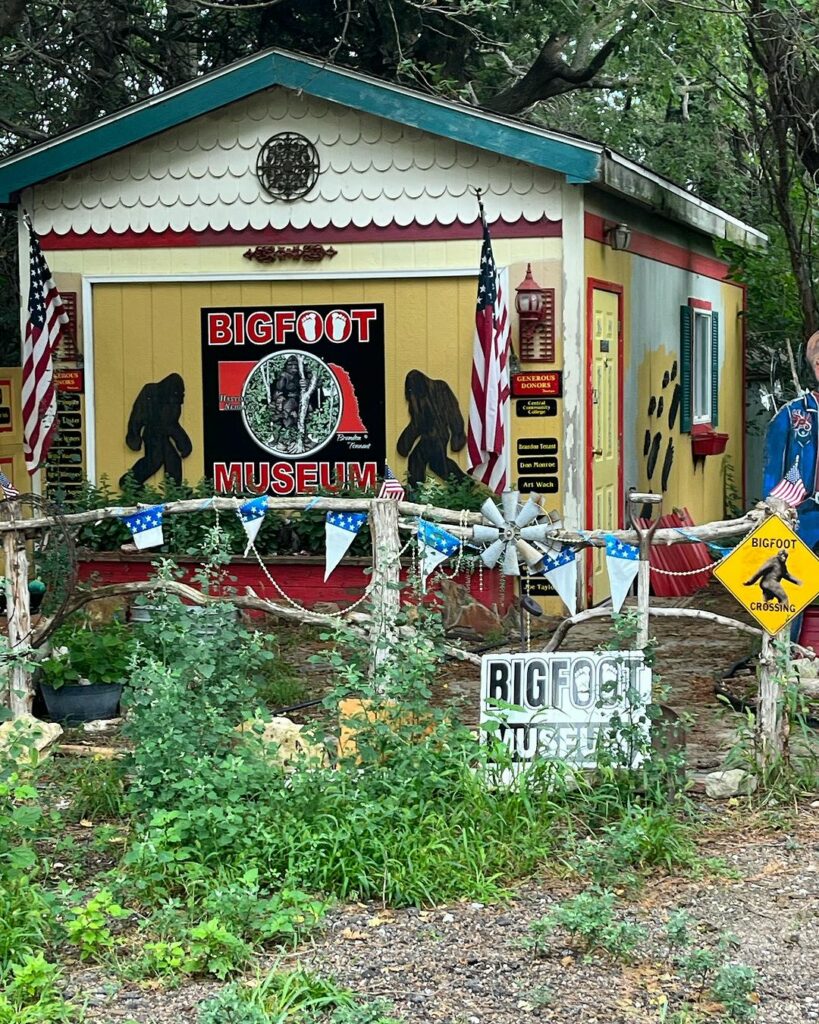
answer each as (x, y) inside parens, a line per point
(302, 579)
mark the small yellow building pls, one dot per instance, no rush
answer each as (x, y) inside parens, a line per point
(281, 226)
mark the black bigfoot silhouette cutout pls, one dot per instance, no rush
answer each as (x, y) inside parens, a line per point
(435, 424)
(154, 424)
(653, 439)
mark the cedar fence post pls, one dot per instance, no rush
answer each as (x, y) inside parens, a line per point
(386, 576)
(771, 720)
(18, 613)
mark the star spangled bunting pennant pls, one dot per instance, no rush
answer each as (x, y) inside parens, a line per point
(561, 572)
(435, 546)
(252, 514)
(623, 564)
(146, 527)
(340, 529)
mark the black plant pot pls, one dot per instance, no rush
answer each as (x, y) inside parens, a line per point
(71, 705)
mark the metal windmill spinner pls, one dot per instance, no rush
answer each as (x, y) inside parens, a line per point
(515, 535)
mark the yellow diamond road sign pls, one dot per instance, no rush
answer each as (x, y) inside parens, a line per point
(772, 573)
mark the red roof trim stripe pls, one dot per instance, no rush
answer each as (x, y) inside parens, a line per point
(543, 228)
(663, 252)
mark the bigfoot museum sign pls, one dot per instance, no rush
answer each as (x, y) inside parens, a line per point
(293, 397)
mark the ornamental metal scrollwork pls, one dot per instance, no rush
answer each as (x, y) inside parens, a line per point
(288, 166)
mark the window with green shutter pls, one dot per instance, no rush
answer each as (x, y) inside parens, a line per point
(699, 365)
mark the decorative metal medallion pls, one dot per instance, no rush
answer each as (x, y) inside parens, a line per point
(288, 166)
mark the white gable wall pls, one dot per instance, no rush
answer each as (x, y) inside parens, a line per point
(202, 175)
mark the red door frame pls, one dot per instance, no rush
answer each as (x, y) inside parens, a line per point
(595, 284)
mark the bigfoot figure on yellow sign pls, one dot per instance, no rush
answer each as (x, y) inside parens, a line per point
(770, 574)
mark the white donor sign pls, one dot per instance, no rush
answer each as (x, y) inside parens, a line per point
(556, 705)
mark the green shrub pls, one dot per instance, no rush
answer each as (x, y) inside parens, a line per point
(30, 996)
(590, 920)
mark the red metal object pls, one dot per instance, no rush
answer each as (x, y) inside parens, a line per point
(300, 578)
(809, 632)
(678, 558)
(706, 441)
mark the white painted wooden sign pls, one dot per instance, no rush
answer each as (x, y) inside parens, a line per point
(556, 705)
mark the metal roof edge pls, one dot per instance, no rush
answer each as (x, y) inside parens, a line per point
(638, 183)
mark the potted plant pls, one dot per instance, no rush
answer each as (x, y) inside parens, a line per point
(82, 678)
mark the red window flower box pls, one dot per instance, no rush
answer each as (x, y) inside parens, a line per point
(706, 441)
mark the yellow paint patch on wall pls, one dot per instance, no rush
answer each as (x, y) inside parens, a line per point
(355, 257)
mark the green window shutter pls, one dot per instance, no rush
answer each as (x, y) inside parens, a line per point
(714, 369)
(686, 346)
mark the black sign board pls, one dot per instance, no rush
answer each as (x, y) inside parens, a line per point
(68, 439)
(64, 474)
(541, 484)
(68, 403)
(538, 586)
(547, 465)
(70, 421)
(5, 415)
(536, 407)
(537, 446)
(293, 397)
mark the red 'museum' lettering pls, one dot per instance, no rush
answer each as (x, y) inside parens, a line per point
(282, 482)
(227, 478)
(306, 476)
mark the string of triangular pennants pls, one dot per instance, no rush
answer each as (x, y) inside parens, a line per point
(435, 545)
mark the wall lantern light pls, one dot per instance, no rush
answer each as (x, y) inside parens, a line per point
(535, 307)
(618, 236)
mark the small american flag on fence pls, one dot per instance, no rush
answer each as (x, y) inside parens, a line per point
(44, 328)
(790, 488)
(391, 488)
(9, 490)
(489, 400)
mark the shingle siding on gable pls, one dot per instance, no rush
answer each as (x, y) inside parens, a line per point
(373, 172)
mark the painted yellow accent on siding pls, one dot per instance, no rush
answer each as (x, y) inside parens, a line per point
(355, 257)
(11, 441)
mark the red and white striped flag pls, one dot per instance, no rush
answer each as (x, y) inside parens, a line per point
(391, 487)
(44, 326)
(791, 488)
(489, 401)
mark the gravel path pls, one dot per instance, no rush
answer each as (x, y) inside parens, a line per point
(467, 964)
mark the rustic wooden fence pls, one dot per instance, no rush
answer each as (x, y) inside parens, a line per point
(388, 519)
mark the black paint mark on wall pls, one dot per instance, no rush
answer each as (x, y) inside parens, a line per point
(435, 424)
(674, 407)
(652, 455)
(668, 462)
(655, 445)
(154, 424)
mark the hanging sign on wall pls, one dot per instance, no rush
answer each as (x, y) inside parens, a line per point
(293, 397)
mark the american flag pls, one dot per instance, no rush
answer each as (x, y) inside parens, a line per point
(44, 325)
(489, 401)
(9, 490)
(391, 488)
(790, 488)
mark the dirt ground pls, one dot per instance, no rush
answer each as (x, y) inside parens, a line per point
(468, 964)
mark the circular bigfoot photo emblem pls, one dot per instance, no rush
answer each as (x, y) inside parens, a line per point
(291, 404)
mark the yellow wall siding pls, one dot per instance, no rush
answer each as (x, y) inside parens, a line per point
(144, 331)
(653, 294)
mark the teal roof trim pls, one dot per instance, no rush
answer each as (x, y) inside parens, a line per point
(452, 121)
(49, 159)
